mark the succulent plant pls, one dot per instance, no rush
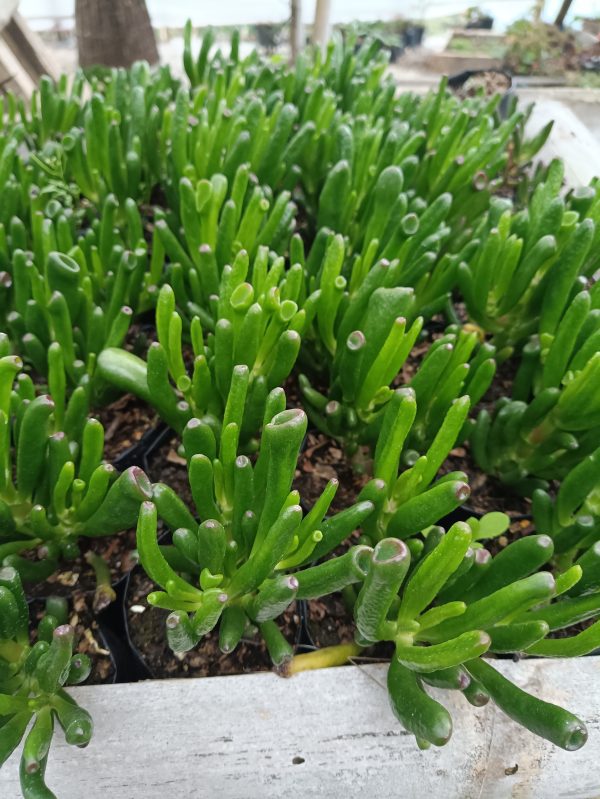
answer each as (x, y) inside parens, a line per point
(242, 558)
(32, 680)
(54, 484)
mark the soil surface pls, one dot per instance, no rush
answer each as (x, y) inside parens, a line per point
(78, 576)
(125, 421)
(317, 623)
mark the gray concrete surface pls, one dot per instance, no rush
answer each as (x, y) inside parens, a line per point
(328, 733)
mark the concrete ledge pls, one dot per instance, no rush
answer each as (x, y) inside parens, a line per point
(452, 63)
(571, 138)
(328, 733)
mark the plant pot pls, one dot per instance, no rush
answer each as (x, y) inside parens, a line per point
(396, 51)
(413, 35)
(148, 643)
(483, 23)
(138, 453)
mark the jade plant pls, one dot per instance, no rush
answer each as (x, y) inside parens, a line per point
(219, 217)
(523, 267)
(54, 485)
(255, 332)
(572, 520)
(446, 607)
(237, 566)
(407, 490)
(364, 336)
(32, 680)
(552, 421)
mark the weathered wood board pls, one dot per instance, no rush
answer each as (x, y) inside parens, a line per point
(320, 734)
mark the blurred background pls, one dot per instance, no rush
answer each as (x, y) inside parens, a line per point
(557, 40)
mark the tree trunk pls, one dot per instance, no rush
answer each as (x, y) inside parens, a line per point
(564, 10)
(296, 28)
(321, 26)
(114, 33)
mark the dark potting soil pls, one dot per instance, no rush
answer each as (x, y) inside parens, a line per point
(78, 576)
(88, 640)
(148, 635)
(165, 465)
(125, 421)
(322, 460)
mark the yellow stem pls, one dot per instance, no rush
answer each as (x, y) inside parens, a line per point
(323, 658)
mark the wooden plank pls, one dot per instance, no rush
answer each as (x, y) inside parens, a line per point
(13, 77)
(328, 733)
(35, 57)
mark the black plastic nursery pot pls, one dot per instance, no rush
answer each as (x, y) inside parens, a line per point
(482, 23)
(138, 454)
(145, 636)
(413, 35)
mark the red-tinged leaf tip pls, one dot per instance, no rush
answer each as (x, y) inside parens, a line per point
(141, 481)
(464, 680)
(390, 550)
(480, 181)
(63, 631)
(462, 491)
